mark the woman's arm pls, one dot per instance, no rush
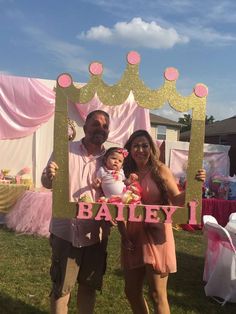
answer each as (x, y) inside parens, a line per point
(176, 197)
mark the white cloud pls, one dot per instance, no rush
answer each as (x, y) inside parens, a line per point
(167, 112)
(208, 23)
(122, 6)
(73, 57)
(136, 33)
(207, 35)
(223, 12)
(221, 109)
(64, 53)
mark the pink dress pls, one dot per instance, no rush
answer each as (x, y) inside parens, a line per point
(154, 243)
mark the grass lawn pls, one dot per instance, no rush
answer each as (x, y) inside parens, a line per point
(25, 282)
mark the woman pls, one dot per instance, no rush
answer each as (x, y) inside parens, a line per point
(153, 255)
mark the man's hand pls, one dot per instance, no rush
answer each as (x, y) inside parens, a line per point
(51, 170)
(96, 183)
(48, 174)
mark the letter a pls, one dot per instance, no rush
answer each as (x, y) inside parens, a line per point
(103, 213)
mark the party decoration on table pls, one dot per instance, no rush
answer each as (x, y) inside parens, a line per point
(5, 172)
(114, 95)
(25, 176)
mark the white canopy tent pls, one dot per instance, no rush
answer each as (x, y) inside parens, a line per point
(33, 150)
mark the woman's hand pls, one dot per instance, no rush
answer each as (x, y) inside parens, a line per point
(201, 175)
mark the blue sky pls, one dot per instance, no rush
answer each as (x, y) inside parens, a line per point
(45, 38)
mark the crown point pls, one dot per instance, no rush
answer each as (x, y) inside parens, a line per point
(171, 74)
(133, 57)
(200, 90)
(96, 68)
(64, 80)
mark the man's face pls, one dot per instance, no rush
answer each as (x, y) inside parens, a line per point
(96, 129)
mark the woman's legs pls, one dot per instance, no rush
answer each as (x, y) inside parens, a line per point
(134, 290)
(158, 290)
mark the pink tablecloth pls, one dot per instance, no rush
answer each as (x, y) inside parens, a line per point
(220, 209)
(32, 213)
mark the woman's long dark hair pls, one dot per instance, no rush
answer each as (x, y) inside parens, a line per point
(154, 163)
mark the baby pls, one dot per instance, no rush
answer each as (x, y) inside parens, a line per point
(116, 188)
(110, 176)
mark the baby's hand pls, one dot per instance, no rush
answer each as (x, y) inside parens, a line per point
(133, 177)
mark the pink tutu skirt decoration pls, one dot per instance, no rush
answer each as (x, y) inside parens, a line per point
(32, 213)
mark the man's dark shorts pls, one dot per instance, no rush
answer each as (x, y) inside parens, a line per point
(87, 265)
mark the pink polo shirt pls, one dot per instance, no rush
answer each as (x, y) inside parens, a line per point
(82, 170)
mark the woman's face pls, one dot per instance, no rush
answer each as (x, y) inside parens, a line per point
(140, 150)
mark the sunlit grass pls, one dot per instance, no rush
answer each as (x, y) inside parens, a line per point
(25, 283)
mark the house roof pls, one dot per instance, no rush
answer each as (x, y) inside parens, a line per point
(155, 119)
(223, 127)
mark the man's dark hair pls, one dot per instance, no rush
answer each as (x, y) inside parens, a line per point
(92, 113)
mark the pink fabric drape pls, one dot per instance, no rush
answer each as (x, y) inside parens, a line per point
(125, 118)
(25, 104)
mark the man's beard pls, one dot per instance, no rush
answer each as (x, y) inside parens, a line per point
(98, 138)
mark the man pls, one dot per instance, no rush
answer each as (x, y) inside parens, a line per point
(79, 246)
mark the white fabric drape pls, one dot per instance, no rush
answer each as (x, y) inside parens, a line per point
(26, 122)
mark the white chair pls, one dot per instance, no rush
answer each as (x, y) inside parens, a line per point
(220, 262)
(231, 225)
(209, 218)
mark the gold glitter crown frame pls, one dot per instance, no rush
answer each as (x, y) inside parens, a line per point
(115, 95)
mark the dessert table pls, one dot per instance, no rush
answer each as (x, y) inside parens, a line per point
(9, 193)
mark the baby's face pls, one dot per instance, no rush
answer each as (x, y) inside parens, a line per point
(115, 161)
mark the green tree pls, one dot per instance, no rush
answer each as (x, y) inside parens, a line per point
(210, 120)
(186, 121)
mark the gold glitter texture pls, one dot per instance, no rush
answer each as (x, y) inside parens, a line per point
(117, 94)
